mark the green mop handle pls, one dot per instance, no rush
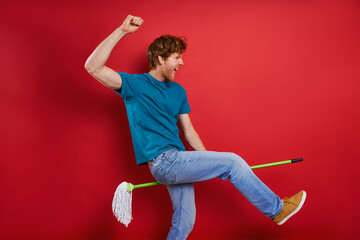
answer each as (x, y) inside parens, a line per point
(131, 187)
(277, 163)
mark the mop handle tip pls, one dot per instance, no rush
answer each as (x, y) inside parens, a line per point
(296, 160)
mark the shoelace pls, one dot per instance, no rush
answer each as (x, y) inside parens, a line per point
(287, 202)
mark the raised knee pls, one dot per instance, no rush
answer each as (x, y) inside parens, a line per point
(238, 163)
(236, 158)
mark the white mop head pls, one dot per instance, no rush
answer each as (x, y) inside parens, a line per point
(121, 205)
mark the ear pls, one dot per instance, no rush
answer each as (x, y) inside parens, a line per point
(161, 60)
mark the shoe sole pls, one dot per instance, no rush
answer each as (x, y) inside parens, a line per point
(296, 210)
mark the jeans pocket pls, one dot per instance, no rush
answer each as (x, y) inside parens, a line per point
(162, 176)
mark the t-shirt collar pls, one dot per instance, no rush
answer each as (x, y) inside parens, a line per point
(165, 84)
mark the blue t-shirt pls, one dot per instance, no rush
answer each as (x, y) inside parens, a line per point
(152, 108)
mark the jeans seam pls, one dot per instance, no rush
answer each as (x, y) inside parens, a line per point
(178, 230)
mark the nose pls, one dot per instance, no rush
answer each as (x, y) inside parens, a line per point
(181, 62)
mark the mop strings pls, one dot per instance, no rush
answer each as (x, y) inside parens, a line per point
(121, 204)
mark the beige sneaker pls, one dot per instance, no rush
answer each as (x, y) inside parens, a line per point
(291, 206)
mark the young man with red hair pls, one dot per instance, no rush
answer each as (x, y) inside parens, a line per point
(154, 103)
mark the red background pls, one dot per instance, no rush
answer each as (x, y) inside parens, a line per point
(268, 80)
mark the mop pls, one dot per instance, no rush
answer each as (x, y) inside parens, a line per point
(121, 205)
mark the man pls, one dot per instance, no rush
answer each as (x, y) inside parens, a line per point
(154, 103)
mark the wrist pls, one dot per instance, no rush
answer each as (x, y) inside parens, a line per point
(121, 31)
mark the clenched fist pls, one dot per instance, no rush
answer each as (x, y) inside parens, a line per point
(131, 24)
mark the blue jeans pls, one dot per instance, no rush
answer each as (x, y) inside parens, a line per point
(179, 169)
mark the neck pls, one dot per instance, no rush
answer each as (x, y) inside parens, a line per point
(156, 73)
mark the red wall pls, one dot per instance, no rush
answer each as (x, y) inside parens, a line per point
(268, 80)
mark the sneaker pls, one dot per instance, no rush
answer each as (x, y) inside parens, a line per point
(291, 206)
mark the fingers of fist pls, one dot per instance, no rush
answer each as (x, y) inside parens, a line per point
(131, 24)
(135, 21)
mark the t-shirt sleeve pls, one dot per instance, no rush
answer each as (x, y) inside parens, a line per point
(130, 87)
(185, 107)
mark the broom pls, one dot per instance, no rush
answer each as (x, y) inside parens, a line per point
(121, 205)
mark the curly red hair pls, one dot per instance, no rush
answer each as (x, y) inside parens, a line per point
(164, 46)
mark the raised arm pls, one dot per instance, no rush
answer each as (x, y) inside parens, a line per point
(95, 64)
